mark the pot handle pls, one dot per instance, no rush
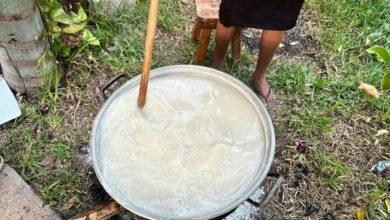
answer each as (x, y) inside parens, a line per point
(105, 86)
(271, 193)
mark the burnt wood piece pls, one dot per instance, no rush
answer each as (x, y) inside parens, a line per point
(103, 212)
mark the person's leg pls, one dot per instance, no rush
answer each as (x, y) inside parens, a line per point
(269, 43)
(222, 39)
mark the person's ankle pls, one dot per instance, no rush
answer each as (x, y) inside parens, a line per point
(259, 76)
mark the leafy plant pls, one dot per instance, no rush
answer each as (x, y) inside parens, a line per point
(383, 56)
(66, 29)
(52, 77)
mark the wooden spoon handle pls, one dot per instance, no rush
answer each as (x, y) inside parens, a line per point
(152, 26)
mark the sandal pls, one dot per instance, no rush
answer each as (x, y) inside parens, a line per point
(265, 98)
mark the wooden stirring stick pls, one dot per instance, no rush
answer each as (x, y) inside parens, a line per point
(152, 25)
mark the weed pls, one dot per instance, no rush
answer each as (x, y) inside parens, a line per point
(331, 170)
(375, 197)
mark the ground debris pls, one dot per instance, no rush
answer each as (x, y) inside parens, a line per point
(329, 216)
(359, 214)
(381, 166)
(310, 209)
(300, 146)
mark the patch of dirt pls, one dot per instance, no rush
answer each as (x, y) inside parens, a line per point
(304, 192)
(297, 42)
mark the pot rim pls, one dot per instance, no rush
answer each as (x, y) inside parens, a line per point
(266, 120)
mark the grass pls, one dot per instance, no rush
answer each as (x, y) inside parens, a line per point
(331, 170)
(378, 192)
(318, 102)
(124, 50)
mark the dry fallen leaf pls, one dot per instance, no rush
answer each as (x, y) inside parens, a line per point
(369, 89)
(49, 162)
(382, 132)
(387, 202)
(70, 203)
(359, 214)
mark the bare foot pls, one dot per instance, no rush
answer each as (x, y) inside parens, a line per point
(262, 86)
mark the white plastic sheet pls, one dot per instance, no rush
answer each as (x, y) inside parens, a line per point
(9, 108)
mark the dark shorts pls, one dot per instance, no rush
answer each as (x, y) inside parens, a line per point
(261, 14)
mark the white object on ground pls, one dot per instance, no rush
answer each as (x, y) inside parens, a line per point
(9, 108)
(382, 166)
(246, 210)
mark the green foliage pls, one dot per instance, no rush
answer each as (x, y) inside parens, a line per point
(89, 38)
(58, 14)
(376, 196)
(343, 30)
(48, 163)
(331, 170)
(122, 35)
(52, 77)
(386, 81)
(58, 23)
(383, 56)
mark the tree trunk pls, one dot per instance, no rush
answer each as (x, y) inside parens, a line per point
(22, 45)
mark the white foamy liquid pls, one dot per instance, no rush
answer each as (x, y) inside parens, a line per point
(194, 148)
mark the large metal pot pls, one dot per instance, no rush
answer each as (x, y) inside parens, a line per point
(197, 71)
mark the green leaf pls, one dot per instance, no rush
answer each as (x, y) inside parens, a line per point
(81, 16)
(74, 28)
(49, 5)
(387, 27)
(59, 15)
(89, 38)
(386, 81)
(56, 29)
(373, 37)
(381, 52)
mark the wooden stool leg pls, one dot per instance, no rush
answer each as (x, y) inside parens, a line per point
(236, 44)
(197, 29)
(203, 45)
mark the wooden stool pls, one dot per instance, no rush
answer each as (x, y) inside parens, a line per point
(202, 32)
